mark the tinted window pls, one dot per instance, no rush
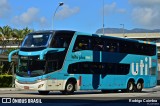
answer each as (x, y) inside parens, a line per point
(61, 40)
(82, 43)
(36, 40)
(98, 68)
(98, 44)
(113, 45)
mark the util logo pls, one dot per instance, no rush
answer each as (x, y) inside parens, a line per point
(142, 67)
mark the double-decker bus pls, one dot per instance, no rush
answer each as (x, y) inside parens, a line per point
(66, 61)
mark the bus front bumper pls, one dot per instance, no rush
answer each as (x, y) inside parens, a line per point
(36, 86)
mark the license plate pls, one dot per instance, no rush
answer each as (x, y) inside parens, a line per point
(26, 87)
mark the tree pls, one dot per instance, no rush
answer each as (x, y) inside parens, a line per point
(5, 34)
(20, 34)
(11, 36)
(27, 31)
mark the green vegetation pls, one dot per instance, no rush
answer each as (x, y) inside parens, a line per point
(6, 81)
(9, 36)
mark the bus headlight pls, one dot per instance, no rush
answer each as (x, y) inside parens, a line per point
(41, 85)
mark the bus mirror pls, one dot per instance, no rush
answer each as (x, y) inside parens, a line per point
(10, 55)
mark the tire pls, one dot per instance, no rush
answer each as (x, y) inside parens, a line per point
(43, 92)
(69, 88)
(130, 86)
(139, 86)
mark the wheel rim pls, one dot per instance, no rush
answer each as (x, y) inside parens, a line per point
(139, 86)
(130, 86)
(69, 87)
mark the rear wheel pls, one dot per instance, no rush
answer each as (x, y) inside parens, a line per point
(69, 88)
(43, 92)
(139, 86)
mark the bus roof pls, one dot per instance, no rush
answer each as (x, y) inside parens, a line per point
(52, 31)
(87, 34)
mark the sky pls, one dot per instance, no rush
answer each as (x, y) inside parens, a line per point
(80, 15)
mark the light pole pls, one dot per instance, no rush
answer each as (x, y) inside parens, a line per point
(122, 28)
(60, 4)
(103, 18)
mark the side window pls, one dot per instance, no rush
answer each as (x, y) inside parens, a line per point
(152, 50)
(111, 68)
(98, 68)
(111, 45)
(82, 43)
(73, 68)
(61, 41)
(98, 44)
(123, 69)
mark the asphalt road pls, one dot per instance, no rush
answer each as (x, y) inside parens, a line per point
(93, 97)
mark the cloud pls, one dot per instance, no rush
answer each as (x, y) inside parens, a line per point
(43, 21)
(4, 8)
(146, 13)
(109, 8)
(145, 2)
(66, 12)
(29, 17)
(112, 8)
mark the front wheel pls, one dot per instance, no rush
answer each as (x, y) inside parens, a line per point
(43, 92)
(69, 88)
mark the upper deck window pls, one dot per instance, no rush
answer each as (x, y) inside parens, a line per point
(36, 40)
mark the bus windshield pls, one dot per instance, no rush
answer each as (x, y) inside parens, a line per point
(31, 66)
(36, 40)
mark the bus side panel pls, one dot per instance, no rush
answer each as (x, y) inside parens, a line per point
(144, 67)
(114, 82)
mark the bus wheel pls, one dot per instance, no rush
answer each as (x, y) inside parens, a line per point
(130, 86)
(139, 86)
(69, 88)
(43, 92)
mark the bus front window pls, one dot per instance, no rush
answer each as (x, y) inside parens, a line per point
(36, 40)
(31, 67)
